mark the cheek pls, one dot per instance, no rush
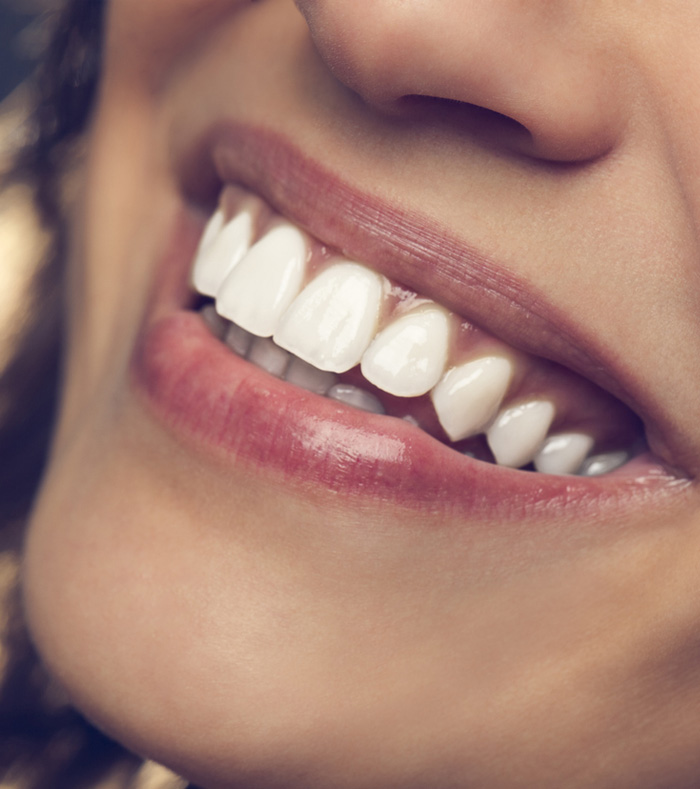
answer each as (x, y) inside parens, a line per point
(157, 33)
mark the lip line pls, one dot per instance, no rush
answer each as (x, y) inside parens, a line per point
(406, 247)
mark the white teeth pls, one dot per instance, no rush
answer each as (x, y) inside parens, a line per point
(221, 249)
(603, 464)
(518, 432)
(408, 357)
(261, 287)
(265, 354)
(211, 231)
(356, 397)
(216, 324)
(308, 377)
(307, 336)
(468, 396)
(238, 340)
(563, 454)
(332, 321)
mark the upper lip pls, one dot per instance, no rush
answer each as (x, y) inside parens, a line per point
(420, 254)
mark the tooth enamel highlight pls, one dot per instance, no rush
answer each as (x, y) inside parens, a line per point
(408, 357)
(222, 248)
(261, 287)
(237, 339)
(356, 397)
(563, 454)
(265, 354)
(468, 397)
(332, 321)
(518, 432)
(603, 464)
(309, 377)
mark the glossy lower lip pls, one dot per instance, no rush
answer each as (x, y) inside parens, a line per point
(226, 407)
(198, 387)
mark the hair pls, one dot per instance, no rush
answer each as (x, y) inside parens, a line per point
(44, 743)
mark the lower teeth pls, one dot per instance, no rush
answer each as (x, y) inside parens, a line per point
(356, 397)
(306, 376)
(265, 354)
(603, 464)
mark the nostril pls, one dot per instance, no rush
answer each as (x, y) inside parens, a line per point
(514, 74)
(488, 126)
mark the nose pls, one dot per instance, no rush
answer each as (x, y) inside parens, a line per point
(532, 75)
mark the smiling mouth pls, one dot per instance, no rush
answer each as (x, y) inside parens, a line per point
(307, 314)
(315, 337)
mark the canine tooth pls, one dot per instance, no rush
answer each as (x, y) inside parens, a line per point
(332, 321)
(216, 324)
(238, 340)
(261, 287)
(563, 454)
(518, 432)
(265, 354)
(603, 464)
(356, 397)
(309, 377)
(408, 357)
(467, 398)
(221, 248)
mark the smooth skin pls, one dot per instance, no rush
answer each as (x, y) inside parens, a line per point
(251, 634)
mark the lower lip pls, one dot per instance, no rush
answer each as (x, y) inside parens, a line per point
(206, 394)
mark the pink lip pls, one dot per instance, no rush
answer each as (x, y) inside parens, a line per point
(201, 390)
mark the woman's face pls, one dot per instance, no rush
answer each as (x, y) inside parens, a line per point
(260, 585)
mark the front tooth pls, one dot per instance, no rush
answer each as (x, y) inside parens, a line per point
(309, 377)
(468, 396)
(603, 464)
(221, 249)
(332, 321)
(265, 354)
(261, 287)
(356, 397)
(563, 454)
(408, 357)
(518, 432)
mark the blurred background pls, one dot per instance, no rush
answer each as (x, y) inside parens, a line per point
(20, 41)
(20, 238)
(22, 34)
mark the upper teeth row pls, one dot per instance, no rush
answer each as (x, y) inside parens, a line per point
(333, 323)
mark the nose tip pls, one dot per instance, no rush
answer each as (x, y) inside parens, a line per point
(527, 75)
